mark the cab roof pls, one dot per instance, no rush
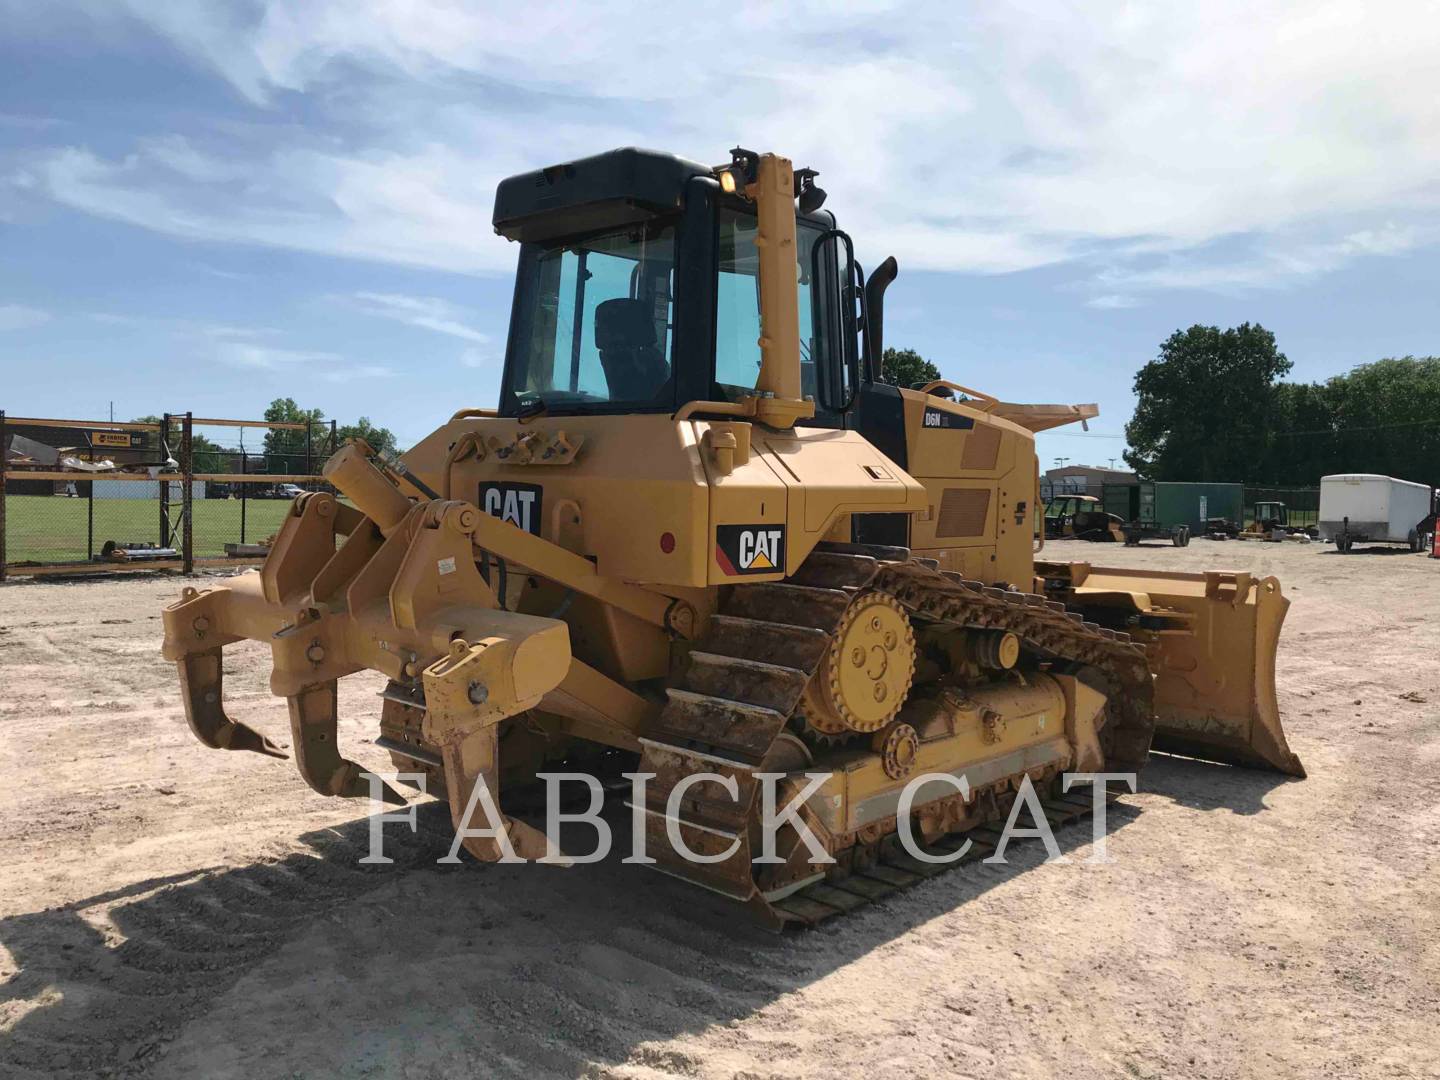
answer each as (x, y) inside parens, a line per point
(610, 189)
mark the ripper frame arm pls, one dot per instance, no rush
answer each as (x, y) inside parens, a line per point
(404, 598)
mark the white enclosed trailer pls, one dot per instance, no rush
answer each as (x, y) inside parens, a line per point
(1366, 508)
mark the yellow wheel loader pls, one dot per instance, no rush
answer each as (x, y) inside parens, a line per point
(701, 538)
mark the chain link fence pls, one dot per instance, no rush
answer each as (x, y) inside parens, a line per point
(1302, 503)
(79, 495)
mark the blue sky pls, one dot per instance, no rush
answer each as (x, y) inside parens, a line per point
(207, 205)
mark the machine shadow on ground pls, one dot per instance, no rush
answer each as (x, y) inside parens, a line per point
(1203, 785)
(637, 957)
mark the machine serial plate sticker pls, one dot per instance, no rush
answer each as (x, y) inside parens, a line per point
(939, 418)
(446, 566)
(750, 549)
(516, 503)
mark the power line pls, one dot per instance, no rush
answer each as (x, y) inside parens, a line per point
(1375, 427)
(1278, 434)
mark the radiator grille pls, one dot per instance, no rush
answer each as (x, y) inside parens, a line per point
(982, 447)
(963, 511)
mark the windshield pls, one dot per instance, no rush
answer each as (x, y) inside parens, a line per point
(594, 322)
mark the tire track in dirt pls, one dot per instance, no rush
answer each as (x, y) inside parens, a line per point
(132, 969)
(1240, 920)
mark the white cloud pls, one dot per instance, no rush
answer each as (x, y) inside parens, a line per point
(427, 312)
(360, 371)
(244, 354)
(389, 209)
(227, 275)
(26, 122)
(190, 328)
(479, 358)
(1278, 261)
(249, 348)
(327, 366)
(1112, 301)
(20, 317)
(999, 138)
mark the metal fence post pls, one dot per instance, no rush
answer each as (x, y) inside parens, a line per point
(4, 464)
(90, 511)
(244, 470)
(164, 476)
(187, 466)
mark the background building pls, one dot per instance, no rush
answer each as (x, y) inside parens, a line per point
(1083, 479)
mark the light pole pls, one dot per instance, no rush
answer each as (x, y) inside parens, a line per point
(1060, 461)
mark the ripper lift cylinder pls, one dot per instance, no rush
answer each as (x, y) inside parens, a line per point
(367, 487)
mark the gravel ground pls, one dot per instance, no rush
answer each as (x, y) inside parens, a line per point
(171, 911)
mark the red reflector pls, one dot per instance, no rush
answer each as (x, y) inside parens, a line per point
(667, 542)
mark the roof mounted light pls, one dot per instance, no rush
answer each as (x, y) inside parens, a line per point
(810, 194)
(744, 167)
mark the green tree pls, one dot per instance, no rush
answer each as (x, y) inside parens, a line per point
(210, 456)
(285, 447)
(1206, 404)
(1300, 446)
(1382, 417)
(1386, 419)
(382, 439)
(906, 367)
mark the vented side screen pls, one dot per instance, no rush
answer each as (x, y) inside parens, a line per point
(982, 447)
(963, 511)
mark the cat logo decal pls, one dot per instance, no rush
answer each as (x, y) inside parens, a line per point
(750, 549)
(518, 504)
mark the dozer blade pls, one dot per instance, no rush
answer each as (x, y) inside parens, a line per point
(1212, 639)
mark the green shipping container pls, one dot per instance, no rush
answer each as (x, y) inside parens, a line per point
(1164, 504)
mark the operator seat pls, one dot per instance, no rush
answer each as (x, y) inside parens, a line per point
(635, 368)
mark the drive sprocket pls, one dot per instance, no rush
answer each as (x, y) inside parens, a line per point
(866, 673)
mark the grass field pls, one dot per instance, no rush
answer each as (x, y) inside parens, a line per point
(48, 528)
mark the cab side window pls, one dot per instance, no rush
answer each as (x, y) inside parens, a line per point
(597, 320)
(737, 307)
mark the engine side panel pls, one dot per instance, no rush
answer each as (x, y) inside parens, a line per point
(978, 472)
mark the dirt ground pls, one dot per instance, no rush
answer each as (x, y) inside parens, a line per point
(172, 911)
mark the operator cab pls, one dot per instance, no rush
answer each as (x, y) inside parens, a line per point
(638, 291)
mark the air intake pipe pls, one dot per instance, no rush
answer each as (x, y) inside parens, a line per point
(875, 288)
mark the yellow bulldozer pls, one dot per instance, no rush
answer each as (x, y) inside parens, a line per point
(700, 537)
